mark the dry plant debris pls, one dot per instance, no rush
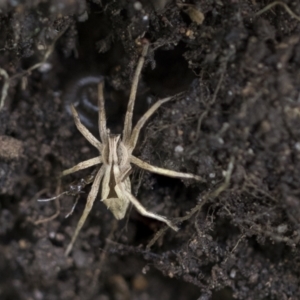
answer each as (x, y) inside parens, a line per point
(284, 5)
(11, 148)
(6, 78)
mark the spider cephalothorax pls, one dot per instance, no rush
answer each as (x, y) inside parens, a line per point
(115, 155)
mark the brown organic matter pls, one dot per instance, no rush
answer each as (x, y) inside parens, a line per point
(237, 125)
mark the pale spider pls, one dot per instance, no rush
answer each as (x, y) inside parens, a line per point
(116, 157)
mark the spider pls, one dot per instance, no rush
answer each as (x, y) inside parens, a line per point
(115, 155)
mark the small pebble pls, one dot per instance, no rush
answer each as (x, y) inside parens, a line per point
(179, 149)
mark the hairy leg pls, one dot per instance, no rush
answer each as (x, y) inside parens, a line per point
(83, 165)
(102, 115)
(84, 131)
(128, 118)
(162, 171)
(123, 193)
(89, 204)
(136, 131)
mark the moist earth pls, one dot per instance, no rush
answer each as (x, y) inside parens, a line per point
(235, 123)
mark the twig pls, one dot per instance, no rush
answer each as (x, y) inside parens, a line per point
(45, 58)
(212, 101)
(284, 5)
(57, 208)
(198, 207)
(5, 87)
(236, 245)
(7, 79)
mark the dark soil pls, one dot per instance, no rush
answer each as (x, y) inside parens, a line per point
(240, 75)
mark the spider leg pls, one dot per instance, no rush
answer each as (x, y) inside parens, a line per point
(170, 173)
(102, 115)
(83, 165)
(84, 131)
(128, 118)
(136, 130)
(89, 204)
(122, 192)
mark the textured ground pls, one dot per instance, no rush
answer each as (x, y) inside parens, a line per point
(239, 72)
